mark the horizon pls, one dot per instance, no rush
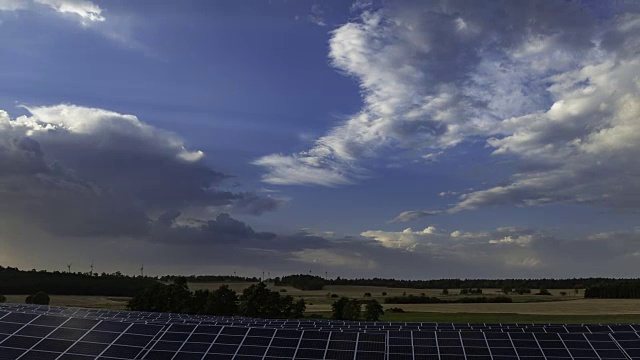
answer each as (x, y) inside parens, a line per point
(391, 139)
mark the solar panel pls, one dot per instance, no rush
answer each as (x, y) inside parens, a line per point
(50, 332)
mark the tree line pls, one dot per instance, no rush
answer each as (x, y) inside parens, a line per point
(301, 282)
(15, 281)
(579, 283)
(255, 301)
(209, 278)
(622, 289)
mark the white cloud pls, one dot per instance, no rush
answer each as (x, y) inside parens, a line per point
(431, 77)
(522, 240)
(553, 88)
(86, 12)
(406, 240)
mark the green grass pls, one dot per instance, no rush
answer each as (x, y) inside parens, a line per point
(509, 318)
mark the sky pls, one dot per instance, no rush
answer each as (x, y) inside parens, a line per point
(407, 139)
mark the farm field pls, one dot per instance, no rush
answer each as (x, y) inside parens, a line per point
(556, 308)
(319, 297)
(102, 302)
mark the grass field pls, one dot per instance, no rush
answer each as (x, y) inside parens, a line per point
(102, 302)
(570, 308)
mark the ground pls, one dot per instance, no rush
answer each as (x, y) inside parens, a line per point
(557, 308)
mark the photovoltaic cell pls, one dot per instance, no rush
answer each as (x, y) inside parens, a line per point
(49, 332)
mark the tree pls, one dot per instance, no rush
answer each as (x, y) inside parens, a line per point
(39, 298)
(258, 301)
(181, 281)
(506, 289)
(3, 299)
(373, 310)
(165, 298)
(346, 309)
(226, 300)
(384, 293)
(445, 292)
(298, 309)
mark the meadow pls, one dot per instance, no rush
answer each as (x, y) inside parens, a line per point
(527, 308)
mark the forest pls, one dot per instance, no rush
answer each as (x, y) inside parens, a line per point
(15, 281)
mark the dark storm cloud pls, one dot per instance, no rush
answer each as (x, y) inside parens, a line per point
(78, 171)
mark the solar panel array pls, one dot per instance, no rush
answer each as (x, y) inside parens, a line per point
(49, 332)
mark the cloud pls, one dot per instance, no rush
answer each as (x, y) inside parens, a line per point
(407, 239)
(426, 74)
(413, 215)
(551, 87)
(581, 150)
(317, 15)
(86, 171)
(86, 12)
(334, 259)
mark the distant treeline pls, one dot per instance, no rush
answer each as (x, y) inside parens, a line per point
(413, 299)
(574, 283)
(621, 289)
(15, 281)
(302, 282)
(209, 278)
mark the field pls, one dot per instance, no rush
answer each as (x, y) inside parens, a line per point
(102, 302)
(556, 308)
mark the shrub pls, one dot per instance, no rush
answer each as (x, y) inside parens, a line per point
(3, 299)
(522, 290)
(334, 295)
(445, 292)
(395, 310)
(384, 293)
(39, 298)
(367, 294)
(543, 292)
(563, 293)
(283, 290)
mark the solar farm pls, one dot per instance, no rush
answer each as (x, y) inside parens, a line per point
(30, 332)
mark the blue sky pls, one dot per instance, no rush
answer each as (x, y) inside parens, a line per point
(396, 138)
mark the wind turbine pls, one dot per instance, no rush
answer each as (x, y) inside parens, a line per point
(142, 270)
(69, 267)
(91, 272)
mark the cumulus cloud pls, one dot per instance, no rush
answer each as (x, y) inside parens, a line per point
(525, 251)
(424, 72)
(406, 240)
(551, 85)
(85, 171)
